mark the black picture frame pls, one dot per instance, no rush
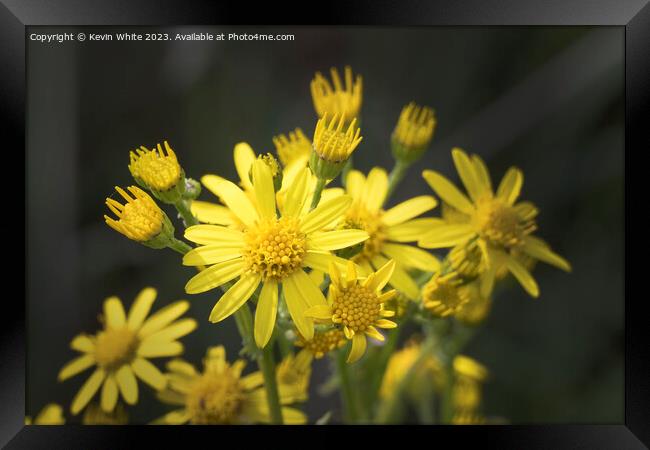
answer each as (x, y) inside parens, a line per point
(633, 15)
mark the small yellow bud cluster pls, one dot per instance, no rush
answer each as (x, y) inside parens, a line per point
(293, 148)
(343, 100)
(413, 132)
(323, 342)
(443, 295)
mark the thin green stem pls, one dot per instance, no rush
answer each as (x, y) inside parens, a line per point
(351, 413)
(320, 185)
(179, 246)
(266, 364)
(183, 208)
(396, 175)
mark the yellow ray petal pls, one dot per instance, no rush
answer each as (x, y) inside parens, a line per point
(207, 212)
(244, 157)
(87, 391)
(215, 276)
(384, 323)
(355, 183)
(213, 254)
(375, 189)
(447, 235)
(114, 313)
(176, 417)
(128, 384)
(400, 279)
(216, 358)
(109, 394)
(325, 213)
(174, 331)
(374, 333)
(487, 281)
(141, 307)
(358, 347)
(252, 381)
(181, 367)
(538, 249)
(510, 185)
(171, 397)
(523, 276)
(297, 194)
(292, 416)
(162, 318)
(320, 260)
(148, 373)
(447, 191)
(235, 297)
(466, 172)
(410, 256)
(82, 343)
(381, 276)
(237, 202)
(337, 239)
(413, 229)
(482, 175)
(264, 190)
(159, 349)
(76, 366)
(213, 234)
(320, 312)
(409, 209)
(297, 306)
(267, 308)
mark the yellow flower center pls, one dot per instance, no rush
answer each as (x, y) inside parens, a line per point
(500, 224)
(274, 248)
(443, 295)
(334, 144)
(115, 347)
(139, 218)
(323, 342)
(215, 398)
(359, 218)
(156, 169)
(355, 307)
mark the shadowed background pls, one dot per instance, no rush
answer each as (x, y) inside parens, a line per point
(547, 99)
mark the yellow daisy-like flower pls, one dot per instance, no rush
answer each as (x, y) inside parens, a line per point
(155, 169)
(140, 219)
(494, 221)
(323, 342)
(51, 414)
(357, 305)
(444, 295)
(333, 143)
(220, 395)
(120, 352)
(413, 132)
(400, 363)
(468, 374)
(95, 415)
(270, 250)
(343, 100)
(295, 148)
(390, 229)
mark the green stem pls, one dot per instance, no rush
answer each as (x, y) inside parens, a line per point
(183, 208)
(396, 176)
(447, 397)
(320, 185)
(179, 246)
(351, 413)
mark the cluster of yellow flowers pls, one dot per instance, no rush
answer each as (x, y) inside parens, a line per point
(326, 269)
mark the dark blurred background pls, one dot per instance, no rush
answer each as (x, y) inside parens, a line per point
(547, 99)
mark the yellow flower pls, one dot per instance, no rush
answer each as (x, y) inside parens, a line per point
(140, 219)
(121, 350)
(220, 395)
(477, 308)
(469, 374)
(495, 222)
(323, 342)
(337, 99)
(159, 172)
(401, 362)
(294, 148)
(357, 305)
(270, 250)
(413, 132)
(95, 415)
(51, 414)
(332, 146)
(444, 295)
(293, 375)
(390, 229)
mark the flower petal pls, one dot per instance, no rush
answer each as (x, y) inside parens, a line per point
(177, 417)
(267, 308)
(148, 373)
(237, 202)
(400, 279)
(311, 293)
(325, 213)
(207, 212)
(538, 249)
(358, 347)
(235, 297)
(178, 366)
(320, 260)
(297, 306)
(215, 276)
(213, 234)
(76, 366)
(413, 229)
(375, 189)
(128, 384)
(83, 343)
(174, 331)
(159, 349)
(381, 276)
(109, 394)
(409, 209)
(297, 194)
(213, 254)
(87, 391)
(141, 307)
(447, 235)
(384, 323)
(337, 239)
(264, 190)
(466, 172)
(510, 185)
(447, 191)
(320, 312)
(523, 276)
(355, 183)
(410, 256)
(163, 317)
(244, 157)
(114, 313)
(482, 175)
